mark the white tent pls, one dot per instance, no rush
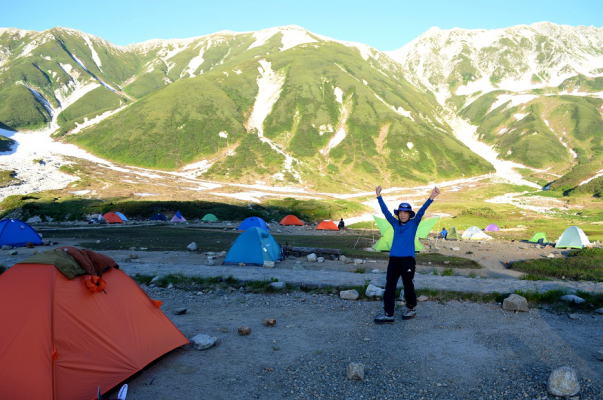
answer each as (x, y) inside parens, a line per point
(474, 233)
(573, 237)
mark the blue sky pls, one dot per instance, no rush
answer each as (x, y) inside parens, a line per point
(386, 25)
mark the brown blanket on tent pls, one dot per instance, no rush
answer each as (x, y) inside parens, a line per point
(73, 262)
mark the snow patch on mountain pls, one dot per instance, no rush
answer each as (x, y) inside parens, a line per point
(194, 64)
(345, 110)
(338, 95)
(93, 52)
(562, 138)
(513, 100)
(269, 84)
(292, 36)
(93, 121)
(466, 134)
(595, 176)
(40, 98)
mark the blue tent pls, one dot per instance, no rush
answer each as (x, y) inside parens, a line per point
(158, 217)
(120, 215)
(253, 221)
(254, 246)
(14, 232)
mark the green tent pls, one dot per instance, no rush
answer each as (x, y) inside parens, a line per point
(387, 235)
(209, 218)
(453, 234)
(538, 237)
(426, 226)
(573, 237)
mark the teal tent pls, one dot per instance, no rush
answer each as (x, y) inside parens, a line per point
(209, 218)
(254, 247)
(573, 237)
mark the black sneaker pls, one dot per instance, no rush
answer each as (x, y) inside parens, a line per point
(409, 314)
(384, 319)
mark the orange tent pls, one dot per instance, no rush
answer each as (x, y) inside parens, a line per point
(112, 218)
(61, 341)
(291, 220)
(327, 226)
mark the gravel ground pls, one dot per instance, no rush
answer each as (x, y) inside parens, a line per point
(457, 350)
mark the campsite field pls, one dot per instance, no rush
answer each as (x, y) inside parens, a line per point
(452, 350)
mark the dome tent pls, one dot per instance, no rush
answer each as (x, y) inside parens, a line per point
(291, 220)
(254, 247)
(209, 218)
(251, 222)
(539, 237)
(14, 232)
(474, 233)
(327, 225)
(62, 340)
(492, 228)
(112, 218)
(178, 217)
(573, 237)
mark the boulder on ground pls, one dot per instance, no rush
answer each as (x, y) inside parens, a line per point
(358, 261)
(599, 355)
(355, 371)
(374, 291)
(277, 285)
(320, 259)
(422, 298)
(192, 246)
(269, 264)
(349, 294)
(34, 220)
(563, 382)
(203, 341)
(312, 257)
(572, 298)
(269, 322)
(180, 311)
(515, 302)
(244, 330)
(342, 258)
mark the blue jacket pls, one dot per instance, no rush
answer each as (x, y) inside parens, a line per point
(403, 244)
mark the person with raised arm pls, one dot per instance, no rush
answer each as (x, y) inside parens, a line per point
(401, 256)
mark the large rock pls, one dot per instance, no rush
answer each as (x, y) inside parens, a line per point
(572, 298)
(192, 246)
(203, 341)
(349, 294)
(563, 382)
(312, 257)
(355, 371)
(268, 264)
(342, 258)
(358, 261)
(515, 302)
(599, 355)
(374, 291)
(244, 330)
(320, 259)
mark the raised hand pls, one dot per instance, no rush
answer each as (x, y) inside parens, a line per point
(378, 190)
(434, 193)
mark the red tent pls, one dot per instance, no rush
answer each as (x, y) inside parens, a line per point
(291, 220)
(327, 226)
(112, 218)
(61, 340)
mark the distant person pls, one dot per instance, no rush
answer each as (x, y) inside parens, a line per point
(401, 256)
(443, 233)
(341, 225)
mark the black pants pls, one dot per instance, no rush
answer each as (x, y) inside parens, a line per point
(405, 267)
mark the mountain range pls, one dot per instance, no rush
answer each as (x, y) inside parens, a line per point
(287, 106)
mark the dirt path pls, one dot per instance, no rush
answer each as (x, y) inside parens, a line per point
(450, 351)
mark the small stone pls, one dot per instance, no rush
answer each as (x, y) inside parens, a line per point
(312, 257)
(573, 316)
(277, 285)
(550, 255)
(599, 355)
(180, 311)
(358, 261)
(269, 322)
(355, 371)
(342, 258)
(203, 341)
(376, 271)
(563, 382)
(599, 310)
(211, 262)
(446, 262)
(244, 330)
(155, 279)
(515, 302)
(170, 286)
(192, 246)
(572, 298)
(13, 253)
(98, 241)
(268, 264)
(349, 294)
(320, 259)
(374, 291)
(422, 298)
(456, 249)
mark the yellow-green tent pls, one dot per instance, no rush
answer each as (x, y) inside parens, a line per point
(538, 237)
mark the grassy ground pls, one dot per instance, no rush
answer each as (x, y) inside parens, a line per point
(585, 264)
(166, 238)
